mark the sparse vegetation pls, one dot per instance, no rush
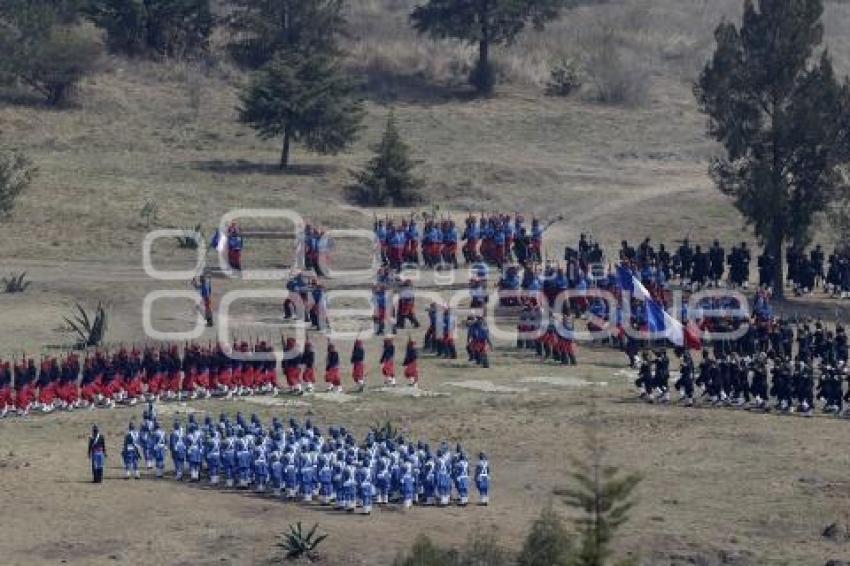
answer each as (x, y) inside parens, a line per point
(191, 239)
(616, 78)
(89, 329)
(548, 542)
(165, 28)
(44, 47)
(388, 178)
(298, 545)
(482, 549)
(425, 553)
(486, 24)
(263, 29)
(386, 429)
(565, 78)
(16, 283)
(149, 212)
(16, 174)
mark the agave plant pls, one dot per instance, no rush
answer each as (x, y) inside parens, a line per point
(298, 545)
(385, 429)
(15, 283)
(191, 238)
(90, 330)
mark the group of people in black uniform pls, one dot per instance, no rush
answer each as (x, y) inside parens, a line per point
(774, 366)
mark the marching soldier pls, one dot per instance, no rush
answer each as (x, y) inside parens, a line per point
(97, 454)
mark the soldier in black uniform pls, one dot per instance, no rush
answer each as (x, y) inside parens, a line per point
(97, 454)
(685, 383)
(664, 264)
(685, 258)
(627, 253)
(716, 257)
(767, 267)
(816, 258)
(758, 385)
(700, 268)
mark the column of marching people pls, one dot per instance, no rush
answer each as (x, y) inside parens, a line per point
(300, 462)
(166, 372)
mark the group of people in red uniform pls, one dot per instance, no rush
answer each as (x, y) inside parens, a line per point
(300, 373)
(164, 372)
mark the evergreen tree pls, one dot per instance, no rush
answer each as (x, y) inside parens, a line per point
(603, 496)
(306, 99)
(548, 543)
(782, 117)
(388, 177)
(43, 47)
(486, 23)
(161, 27)
(262, 28)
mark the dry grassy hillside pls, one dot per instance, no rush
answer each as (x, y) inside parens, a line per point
(166, 133)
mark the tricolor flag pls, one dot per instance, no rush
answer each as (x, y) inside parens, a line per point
(217, 241)
(657, 319)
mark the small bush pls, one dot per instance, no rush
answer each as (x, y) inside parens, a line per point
(299, 545)
(548, 543)
(191, 238)
(15, 283)
(616, 79)
(89, 330)
(149, 212)
(16, 173)
(425, 553)
(564, 78)
(483, 549)
(386, 430)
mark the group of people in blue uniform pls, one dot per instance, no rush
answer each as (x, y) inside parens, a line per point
(491, 238)
(299, 462)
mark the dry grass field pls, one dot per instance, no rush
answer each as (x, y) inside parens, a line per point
(721, 486)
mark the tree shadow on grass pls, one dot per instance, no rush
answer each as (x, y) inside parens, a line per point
(244, 167)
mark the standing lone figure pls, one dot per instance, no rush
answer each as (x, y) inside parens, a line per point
(97, 454)
(203, 284)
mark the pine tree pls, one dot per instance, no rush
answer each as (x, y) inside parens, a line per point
(305, 99)
(548, 543)
(388, 177)
(261, 29)
(783, 118)
(603, 496)
(486, 23)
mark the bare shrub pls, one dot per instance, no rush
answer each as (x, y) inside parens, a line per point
(616, 78)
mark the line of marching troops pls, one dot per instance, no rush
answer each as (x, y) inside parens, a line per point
(128, 376)
(773, 366)
(301, 462)
(494, 239)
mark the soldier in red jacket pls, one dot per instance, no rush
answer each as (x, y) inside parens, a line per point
(411, 368)
(358, 365)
